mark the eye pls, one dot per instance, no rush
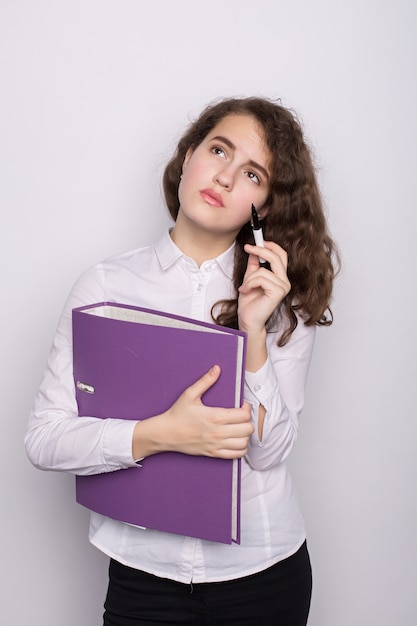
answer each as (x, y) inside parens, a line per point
(219, 151)
(254, 177)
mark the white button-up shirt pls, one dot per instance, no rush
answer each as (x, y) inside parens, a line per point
(272, 528)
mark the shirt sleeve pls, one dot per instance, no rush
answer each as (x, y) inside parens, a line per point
(279, 386)
(56, 437)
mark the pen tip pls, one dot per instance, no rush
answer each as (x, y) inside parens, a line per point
(255, 220)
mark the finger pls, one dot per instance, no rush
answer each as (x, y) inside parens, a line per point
(266, 280)
(272, 253)
(279, 252)
(234, 417)
(261, 255)
(204, 383)
(278, 276)
(233, 449)
(271, 287)
(252, 265)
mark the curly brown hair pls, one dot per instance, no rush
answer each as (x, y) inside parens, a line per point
(294, 212)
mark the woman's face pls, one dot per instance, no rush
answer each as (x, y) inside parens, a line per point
(224, 175)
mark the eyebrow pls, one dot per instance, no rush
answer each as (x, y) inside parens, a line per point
(232, 146)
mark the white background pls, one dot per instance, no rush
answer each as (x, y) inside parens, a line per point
(94, 94)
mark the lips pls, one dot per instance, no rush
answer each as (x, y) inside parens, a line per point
(212, 197)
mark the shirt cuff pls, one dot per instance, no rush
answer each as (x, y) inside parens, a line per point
(117, 444)
(262, 384)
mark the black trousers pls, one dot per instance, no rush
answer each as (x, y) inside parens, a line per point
(278, 596)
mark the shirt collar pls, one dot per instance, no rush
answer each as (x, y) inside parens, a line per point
(226, 260)
(168, 254)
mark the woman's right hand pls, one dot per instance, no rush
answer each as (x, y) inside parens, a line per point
(191, 427)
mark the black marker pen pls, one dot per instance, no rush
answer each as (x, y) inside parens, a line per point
(258, 235)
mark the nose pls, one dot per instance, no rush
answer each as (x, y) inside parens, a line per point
(225, 177)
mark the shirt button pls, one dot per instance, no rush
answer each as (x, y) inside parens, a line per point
(257, 387)
(200, 287)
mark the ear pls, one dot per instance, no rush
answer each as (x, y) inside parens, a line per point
(186, 159)
(263, 211)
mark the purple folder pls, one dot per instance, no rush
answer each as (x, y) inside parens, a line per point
(132, 363)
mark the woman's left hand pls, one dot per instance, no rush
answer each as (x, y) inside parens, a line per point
(260, 294)
(262, 290)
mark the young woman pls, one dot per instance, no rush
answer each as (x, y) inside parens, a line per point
(239, 152)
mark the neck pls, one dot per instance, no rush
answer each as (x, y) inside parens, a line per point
(199, 244)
